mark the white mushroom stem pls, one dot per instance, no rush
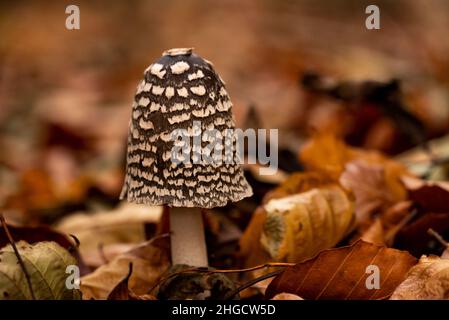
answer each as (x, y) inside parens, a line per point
(188, 242)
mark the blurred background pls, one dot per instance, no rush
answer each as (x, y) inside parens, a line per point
(299, 66)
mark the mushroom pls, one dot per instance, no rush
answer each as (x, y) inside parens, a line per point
(182, 91)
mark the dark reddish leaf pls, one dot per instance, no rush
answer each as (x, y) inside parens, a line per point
(341, 273)
(415, 238)
(431, 196)
(35, 234)
(43, 233)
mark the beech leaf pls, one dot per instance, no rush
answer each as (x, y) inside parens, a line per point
(123, 292)
(149, 260)
(299, 226)
(341, 273)
(429, 279)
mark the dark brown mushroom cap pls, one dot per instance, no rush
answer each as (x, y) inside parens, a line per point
(178, 90)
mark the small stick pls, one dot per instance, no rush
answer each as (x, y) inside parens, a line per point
(437, 236)
(389, 236)
(19, 258)
(252, 282)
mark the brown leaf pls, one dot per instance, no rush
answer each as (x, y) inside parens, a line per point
(373, 193)
(299, 182)
(432, 196)
(149, 260)
(374, 234)
(325, 152)
(34, 235)
(386, 225)
(341, 273)
(299, 226)
(414, 237)
(122, 291)
(122, 225)
(251, 250)
(429, 279)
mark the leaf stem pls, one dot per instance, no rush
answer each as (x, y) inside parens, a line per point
(19, 258)
(252, 282)
(437, 236)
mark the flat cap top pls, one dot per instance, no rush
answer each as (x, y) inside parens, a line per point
(177, 52)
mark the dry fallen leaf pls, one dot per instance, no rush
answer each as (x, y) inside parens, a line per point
(299, 182)
(325, 152)
(299, 226)
(35, 234)
(384, 228)
(251, 250)
(369, 184)
(429, 279)
(46, 264)
(431, 200)
(124, 225)
(432, 196)
(374, 234)
(414, 236)
(122, 291)
(149, 260)
(342, 273)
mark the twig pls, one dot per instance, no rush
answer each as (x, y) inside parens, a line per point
(19, 258)
(261, 266)
(252, 282)
(389, 237)
(208, 271)
(437, 236)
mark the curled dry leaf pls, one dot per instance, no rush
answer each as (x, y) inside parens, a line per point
(414, 236)
(46, 264)
(124, 225)
(429, 279)
(431, 199)
(373, 193)
(384, 228)
(342, 273)
(299, 182)
(325, 152)
(374, 234)
(251, 249)
(149, 260)
(122, 291)
(299, 226)
(432, 196)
